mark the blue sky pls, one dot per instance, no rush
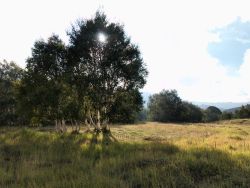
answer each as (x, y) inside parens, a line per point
(234, 40)
(200, 48)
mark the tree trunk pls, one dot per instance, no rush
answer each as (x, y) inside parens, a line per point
(105, 127)
(56, 125)
(72, 125)
(77, 125)
(64, 129)
(98, 120)
(88, 125)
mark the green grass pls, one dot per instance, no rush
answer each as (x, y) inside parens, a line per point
(146, 155)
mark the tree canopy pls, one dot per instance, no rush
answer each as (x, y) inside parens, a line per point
(10, 76)
(93, 80)
(167, 106)
(243, 112)
(212, 113)
(105, 69)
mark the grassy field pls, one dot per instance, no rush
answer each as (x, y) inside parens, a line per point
(138, 156)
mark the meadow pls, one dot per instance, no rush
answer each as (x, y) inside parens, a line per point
(136, 156)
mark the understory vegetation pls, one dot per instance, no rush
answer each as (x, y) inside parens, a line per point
(145, 155)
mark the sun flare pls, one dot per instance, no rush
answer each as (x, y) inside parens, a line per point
(102, 37)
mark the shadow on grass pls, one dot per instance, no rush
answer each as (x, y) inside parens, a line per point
(33, 159)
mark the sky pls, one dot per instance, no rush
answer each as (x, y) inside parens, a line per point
(201, 48)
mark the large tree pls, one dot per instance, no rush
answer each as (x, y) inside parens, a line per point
(103, 62)
(95, 78)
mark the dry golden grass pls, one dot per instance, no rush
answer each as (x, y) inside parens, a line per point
(232, 136)
(136, 156)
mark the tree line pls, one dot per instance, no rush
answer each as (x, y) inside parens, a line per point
(241, 112)
(88, 81)
(167, 106)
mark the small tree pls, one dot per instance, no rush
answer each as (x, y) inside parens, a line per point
(212, 113)
(243, 112)
(43, 85)
(226, 115)
(10, 76)
(165, 106)
(126, 108)
(191, 113)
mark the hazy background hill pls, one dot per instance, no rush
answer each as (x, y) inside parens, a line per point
(232, 110)
(225, 106)
(228, 106)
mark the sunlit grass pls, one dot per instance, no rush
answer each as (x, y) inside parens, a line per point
(144, 155)
(227, 136)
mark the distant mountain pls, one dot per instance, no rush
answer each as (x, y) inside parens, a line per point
(224, 106)
(221, 105)
(232, 110)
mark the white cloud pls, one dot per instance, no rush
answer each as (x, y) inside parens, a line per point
(244, 76)
(245, 67)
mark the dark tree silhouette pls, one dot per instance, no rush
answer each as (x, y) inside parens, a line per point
(212, 113)
(42, 86)
(96, 78)
(167, 106)
(104, 68)
(10, 76)
(243, 112)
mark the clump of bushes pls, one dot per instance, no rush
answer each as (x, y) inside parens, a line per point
(167, 106)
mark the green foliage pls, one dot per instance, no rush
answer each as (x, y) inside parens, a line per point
(243, 112)
(126, 107)
(42, 87)
(226, 115)
(88, 80)
(167, 106)
(111, 72)
(212, 113)
(10, 75)
(191, 112)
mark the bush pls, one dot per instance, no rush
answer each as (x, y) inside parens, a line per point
(243, 112)
(167, 106)
(226, 115)
(191, 113)
(212, 113)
